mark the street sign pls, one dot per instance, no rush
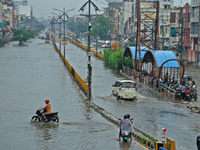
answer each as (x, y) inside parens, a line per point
(64, 42)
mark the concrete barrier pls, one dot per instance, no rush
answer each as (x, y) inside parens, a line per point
(83, 85)
(97, 54)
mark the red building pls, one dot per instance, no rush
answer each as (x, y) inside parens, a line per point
(189, 55)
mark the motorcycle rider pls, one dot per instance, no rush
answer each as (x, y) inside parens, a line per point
(47, 109)
(126, 125)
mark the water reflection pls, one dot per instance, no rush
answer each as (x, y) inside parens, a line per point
(125, 145)
(45, 131)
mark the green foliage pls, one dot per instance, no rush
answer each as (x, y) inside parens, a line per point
(78, 27)
(131, 44)
(128, 62)
(113, 58)
(100, 27)
(23, 35)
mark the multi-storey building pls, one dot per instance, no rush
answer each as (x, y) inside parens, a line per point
(188, 54)
(174, 29)
(166, 7)
(114, 12)
(194, 24)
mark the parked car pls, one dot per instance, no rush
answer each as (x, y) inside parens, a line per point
(125, 89)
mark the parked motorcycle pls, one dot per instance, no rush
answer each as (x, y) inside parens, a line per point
(50, 117)
(193, 94)
(178, 93)
(188, 95)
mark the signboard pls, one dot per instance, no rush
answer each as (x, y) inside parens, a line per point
(64, 42)
(113, 35)
(22, 25)
(2, 24)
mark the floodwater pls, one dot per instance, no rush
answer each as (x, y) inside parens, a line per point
(29, 75)
(150, 113)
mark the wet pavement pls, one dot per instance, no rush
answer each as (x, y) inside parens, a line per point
(35, 72)
(150, 113)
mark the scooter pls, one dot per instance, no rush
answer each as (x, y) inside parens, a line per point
(126, 135)
(50, 117)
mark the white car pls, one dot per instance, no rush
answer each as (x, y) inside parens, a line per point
(125, 89)
(105, 45)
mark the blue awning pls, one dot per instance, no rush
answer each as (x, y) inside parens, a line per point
(162, 56)
(142, 51)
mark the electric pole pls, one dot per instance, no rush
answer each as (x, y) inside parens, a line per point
(89, 2)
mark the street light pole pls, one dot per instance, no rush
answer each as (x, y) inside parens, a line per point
(58, 19)
(96, 36)
(64, 14)
(89, 56)
(64, 31)
(89, 2)
(60, 33)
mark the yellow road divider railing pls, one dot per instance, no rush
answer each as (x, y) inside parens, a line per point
(100, 55)
(80, 81)
(169, 144)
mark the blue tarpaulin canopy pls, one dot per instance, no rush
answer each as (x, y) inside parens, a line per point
(162, 56)
(133, 49)
(157, 56)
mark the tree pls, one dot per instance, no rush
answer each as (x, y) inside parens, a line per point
(23, 35)
(100, 26)
(78, 27)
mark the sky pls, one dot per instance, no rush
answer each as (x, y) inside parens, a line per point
(43, 8)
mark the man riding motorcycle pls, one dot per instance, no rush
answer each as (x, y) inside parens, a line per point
(46, 109)
(126, 125)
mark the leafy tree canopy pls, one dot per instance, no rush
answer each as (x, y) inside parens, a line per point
(100, 26)
(23, 35)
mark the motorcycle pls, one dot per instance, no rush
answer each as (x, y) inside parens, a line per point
(50, 117)
(126, 135)
(193, 93)
(178, 93)
(188, 95)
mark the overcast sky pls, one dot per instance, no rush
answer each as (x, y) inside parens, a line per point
(43, 8)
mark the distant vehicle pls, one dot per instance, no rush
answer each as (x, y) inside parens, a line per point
(106, 45)
(107, 42)
(125, 89)
(101, 41)
(47, 39)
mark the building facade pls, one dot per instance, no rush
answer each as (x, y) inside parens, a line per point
(194, 25)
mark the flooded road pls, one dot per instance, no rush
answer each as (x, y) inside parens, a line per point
(29, 75)
(150, 113)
